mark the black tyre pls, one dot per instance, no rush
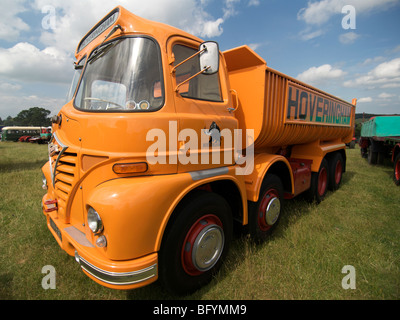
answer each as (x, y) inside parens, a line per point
(364, 152)
(336, 166)
(319, 183)
(264, 215)
(196, 243)
(372, 156)
(396, 171)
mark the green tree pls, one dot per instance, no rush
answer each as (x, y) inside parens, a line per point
(9, 121)
(33, 117)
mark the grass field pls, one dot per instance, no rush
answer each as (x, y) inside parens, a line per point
(357, 225)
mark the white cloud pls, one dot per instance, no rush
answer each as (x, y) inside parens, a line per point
(385, 74)
(25, 62)
(391, 85)
(74, 20)
(390, 69)
(212, 28)
(348, 38)
(10, 24)
(7, 87)
(319, 12)
(318, 75)
(369, 61)
(254, 3)
(254, 46)
(308, 34)
(386, 96)
(13, 104)
(363, 100)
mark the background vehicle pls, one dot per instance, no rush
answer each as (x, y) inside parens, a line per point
(14, 133)
(380, 138)
(26, 134)
(45, 134)
(166, 142)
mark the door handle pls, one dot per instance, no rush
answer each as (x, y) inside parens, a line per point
(236, 99)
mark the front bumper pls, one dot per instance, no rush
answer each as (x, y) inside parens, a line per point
(126, 274)
(116, 278)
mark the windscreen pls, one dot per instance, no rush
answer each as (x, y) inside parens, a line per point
(122, 75)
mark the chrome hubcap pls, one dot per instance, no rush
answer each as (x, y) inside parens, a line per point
(272, 211)
(207, 247)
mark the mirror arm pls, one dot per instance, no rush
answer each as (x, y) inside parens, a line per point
(187, 59)
(190, 78)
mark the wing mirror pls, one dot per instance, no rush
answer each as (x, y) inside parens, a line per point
(209, 57)
(209, 60)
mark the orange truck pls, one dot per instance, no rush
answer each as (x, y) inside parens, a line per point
(166, 143)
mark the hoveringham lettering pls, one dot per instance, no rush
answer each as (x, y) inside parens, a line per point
(313, 107)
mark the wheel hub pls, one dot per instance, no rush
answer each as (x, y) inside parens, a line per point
(207, 247)
(269, 210)
(203, 245)
(272, 211)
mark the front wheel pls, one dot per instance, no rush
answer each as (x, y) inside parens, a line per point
(196, 243)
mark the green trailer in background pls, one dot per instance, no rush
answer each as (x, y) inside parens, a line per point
(380, 138)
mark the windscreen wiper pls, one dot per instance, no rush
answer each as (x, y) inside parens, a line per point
(100, 50)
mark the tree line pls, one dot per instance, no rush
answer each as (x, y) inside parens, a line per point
(33, 117)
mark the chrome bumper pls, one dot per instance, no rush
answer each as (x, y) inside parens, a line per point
(117, 278)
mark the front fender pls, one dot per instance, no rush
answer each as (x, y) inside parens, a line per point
(262, 163)
(134, 209)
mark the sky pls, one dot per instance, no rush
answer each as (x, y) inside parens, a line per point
(348, 48)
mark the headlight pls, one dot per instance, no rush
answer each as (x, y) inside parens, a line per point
(94, 221)
(44, 182)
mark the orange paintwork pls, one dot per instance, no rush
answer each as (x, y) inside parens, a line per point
(135, 207)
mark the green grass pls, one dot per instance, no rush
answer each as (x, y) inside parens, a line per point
(357, 225)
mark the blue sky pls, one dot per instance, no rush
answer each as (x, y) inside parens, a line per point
(304, 39)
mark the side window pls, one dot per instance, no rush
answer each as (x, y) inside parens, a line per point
(204, 87)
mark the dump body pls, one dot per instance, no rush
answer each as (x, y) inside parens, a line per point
(284, 111)
(382, 126)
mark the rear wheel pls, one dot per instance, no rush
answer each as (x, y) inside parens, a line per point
(396, 172)
(264, 215)
(319, 183)
(372, 156)
(336, 166)
(196, 243)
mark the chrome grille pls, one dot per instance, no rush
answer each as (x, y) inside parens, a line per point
(65, 174)
(64, 167)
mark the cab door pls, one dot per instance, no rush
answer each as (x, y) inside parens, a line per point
(206, 126)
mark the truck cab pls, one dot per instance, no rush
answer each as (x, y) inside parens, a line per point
(134, 140)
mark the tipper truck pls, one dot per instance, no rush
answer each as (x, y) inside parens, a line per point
(166, 143)
(380, 139)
